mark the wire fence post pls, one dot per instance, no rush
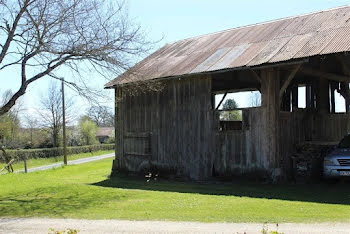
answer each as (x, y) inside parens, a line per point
(25, 165)
(64, 126)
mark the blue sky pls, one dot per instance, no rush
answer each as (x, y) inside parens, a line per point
(187, 18)
(175, 20)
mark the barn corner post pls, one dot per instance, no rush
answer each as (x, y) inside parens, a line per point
(118, 131)
(270, 86)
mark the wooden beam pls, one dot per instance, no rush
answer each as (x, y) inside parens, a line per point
(326, 75)
(323, 96)
(235, 90)
(221, 101)
(346, 69)
(295, 98)
(308, 96)
(255, 75)
(289, 79)
(239, 109)
(332, 97)
(8, 165)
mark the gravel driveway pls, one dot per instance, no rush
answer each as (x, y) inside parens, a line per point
(72, 162)
(43, 225)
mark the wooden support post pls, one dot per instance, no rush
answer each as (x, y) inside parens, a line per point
(284, 102)
(294, 98)
(25, 165)
(332, 89)
(308, 96)
(270, 101)
(116, 133)
(323, 96)
(118, 122)
(288, 99)
(313, 100)
(289, 78)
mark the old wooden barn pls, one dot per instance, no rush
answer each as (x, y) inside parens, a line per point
(177, 128)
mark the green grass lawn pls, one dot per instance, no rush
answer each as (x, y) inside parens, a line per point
(19, 165)
(84, 191)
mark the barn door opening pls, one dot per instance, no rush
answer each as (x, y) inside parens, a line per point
(235, 98)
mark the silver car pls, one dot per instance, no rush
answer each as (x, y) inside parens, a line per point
(337, 163)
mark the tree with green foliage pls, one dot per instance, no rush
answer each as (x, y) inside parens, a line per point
(9, 122)
(230, 104)
(229, 114)
(88, 129)
(9, 126)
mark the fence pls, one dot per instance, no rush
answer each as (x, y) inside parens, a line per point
(54, 152)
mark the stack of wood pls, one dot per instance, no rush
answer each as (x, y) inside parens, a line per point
(308, 160)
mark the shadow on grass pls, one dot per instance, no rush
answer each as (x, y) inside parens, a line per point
(318, 193)
(57, 201)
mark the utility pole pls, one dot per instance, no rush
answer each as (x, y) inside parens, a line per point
(64, 126)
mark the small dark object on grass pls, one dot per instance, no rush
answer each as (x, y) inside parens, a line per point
(150, 176)
(67, 231)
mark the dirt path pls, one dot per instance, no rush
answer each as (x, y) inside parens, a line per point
(43, 225)
(73, 162)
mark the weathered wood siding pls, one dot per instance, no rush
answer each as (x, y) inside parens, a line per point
(170, 130)
(175, 131)
(241, 151)
(301, 126)
(330, 127)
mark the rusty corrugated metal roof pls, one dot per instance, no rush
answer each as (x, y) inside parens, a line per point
(281, 40)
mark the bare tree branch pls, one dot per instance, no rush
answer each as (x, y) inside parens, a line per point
(50, 111)
(43, 36)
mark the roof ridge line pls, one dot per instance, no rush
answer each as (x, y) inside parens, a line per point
(261, 23)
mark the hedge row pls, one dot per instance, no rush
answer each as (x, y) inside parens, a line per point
(54, 152)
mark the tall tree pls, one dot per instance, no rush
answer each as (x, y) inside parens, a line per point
(102, 115)
(31, 123)
(229, 114)
(51, 111)
(230, 104)
(88, 129)
(255, 99)
(38, 37)
(9, 124)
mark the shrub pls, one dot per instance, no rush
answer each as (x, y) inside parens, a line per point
(111, 140)
(54, 152)
(88, 129)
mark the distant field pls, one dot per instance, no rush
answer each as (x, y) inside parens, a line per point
(84, 191)
(45, 161)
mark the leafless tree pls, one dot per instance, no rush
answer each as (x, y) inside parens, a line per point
(16, 109)
(44, 37)
(102, 115)
(50, 111)
(31, 123)
(255, 99)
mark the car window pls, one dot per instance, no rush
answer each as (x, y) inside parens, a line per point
(345, 142)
